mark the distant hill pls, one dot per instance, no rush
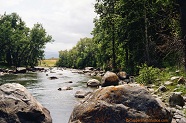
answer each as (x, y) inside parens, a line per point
(49, 55)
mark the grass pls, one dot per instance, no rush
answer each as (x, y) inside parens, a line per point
(165, 75)
(48, 62)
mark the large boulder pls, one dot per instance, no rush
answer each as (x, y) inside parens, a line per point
(17, 105)
(109, 79)
(120, 104)
(176, 99)
(93, 83)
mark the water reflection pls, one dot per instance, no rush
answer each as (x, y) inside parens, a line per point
(24, 79)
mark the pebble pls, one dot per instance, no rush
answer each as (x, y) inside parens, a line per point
(177, 116)
(175, 77)
(168, 83)
(179, 107)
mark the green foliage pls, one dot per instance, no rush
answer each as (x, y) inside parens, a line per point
(82, 55)
(147, 75)
(20, 45)
(129, 33)
(181, 88)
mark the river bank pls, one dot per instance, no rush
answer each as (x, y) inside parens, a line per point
(61, 103)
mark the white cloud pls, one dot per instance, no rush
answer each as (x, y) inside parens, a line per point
(9, 3)
(66, 20)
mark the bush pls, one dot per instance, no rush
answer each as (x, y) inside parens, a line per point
(147, 75)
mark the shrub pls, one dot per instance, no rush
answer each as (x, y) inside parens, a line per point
(147, 75)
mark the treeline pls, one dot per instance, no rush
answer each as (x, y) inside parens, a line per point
(20, 45)
(82, 55)
(129, 33)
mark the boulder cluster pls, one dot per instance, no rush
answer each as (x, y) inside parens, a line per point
(117, 100)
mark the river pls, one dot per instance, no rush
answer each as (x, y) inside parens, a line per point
(59, 103)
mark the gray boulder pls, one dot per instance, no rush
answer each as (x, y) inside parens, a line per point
(176, 99)
(93, 83)
(109, 79)
(118, 104)
(17, 105)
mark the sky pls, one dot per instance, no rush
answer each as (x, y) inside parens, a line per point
(65, 20)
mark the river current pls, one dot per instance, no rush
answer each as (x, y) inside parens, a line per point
(59, 103)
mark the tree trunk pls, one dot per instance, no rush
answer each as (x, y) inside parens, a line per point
(127, 56)
(113, 51)
(113, 39)
(146, 37)
(9, 58)
(182, 4)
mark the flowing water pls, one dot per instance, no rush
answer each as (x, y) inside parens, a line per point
(59, 103)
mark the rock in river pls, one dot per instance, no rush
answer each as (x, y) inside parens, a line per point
(52, 78)
(118, 104)
(81, 94)
(93, 83)
(17, 105)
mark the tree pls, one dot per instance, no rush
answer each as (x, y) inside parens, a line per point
(38, 39)
(21, 46)
(182, 5)
(140, 29)
(107, 20)
(80, 56)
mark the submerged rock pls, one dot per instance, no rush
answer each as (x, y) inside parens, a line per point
(81, 94)
(52, 77)
(67, 88)
(118, 104)
(17, 105)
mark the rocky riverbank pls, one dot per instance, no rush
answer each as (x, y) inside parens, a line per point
(104, 101)
(117, 98)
